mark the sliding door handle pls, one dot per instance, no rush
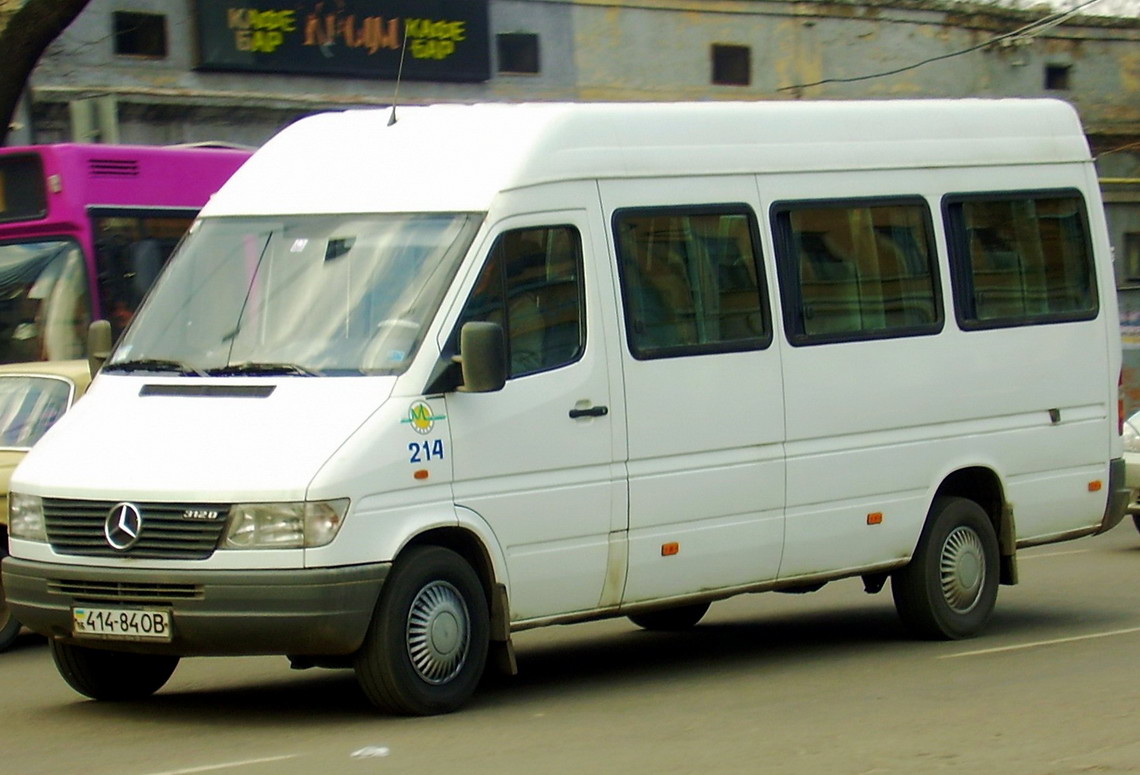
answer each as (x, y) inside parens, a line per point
(593, 411)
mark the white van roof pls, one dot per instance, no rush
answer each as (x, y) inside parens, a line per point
(458, 157)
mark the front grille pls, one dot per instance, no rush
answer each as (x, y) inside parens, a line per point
(77, 528)
(123, 592)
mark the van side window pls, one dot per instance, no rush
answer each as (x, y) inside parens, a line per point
(690, 281)
(1021, 259)
(859, 270)
(532, 286)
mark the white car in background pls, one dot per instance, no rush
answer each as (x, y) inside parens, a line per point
(1132, 464)
(32, 397)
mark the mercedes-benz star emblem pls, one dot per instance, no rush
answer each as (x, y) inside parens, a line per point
(124, 523)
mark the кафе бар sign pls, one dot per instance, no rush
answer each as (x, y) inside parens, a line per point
(446, 40)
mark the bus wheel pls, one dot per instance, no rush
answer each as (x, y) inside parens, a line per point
(111, 675)
(949, 588)
(1136, 520)
(427, 644)
(679, 618)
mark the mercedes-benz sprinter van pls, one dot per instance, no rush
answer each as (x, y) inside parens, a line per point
(410, 387)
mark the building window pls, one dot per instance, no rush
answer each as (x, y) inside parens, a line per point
(1132, 255)
(140, 34)
(518, 52)
(1057, 77)
(731, 65)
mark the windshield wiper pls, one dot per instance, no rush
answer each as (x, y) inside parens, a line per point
(261, 370)
(153, 364)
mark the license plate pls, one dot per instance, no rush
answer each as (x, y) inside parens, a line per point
(121, 623)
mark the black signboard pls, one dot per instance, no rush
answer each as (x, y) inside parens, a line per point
(439, 40)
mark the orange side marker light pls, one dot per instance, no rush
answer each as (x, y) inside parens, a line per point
(421, 474)
(875, 518)
(1095, 485)
(669, 549)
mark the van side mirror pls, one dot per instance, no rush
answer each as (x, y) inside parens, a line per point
(484, 357)
(99, 344)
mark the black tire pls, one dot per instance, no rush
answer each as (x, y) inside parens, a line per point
(112, 676)
(9, 627)
(427, 644)
(681, 617)
(949, 588)
(1136, 521)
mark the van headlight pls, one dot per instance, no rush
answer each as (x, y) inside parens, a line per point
(284, 525)
(26, 517)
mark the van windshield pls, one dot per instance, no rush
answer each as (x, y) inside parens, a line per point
(298, 295)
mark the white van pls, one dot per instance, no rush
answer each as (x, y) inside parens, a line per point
(410, 387)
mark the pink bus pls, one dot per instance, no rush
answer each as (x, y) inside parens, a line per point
(84, 230)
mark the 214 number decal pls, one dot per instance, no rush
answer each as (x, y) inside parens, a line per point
(425, 451)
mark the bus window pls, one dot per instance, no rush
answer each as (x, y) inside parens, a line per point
(130, 250)
(22, 194)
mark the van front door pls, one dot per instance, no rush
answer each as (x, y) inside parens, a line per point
(535, 459)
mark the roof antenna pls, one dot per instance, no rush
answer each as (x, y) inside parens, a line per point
(399, 76)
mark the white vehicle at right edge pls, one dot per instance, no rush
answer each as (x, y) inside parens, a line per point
(408, 388)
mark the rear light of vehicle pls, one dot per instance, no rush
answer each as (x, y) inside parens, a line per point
(1120, 404)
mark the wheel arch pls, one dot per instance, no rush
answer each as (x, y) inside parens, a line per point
(464, 543)
(982, 485)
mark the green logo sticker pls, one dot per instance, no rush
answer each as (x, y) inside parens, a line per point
(421, 419)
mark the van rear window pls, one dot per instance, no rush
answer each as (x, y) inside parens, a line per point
(856, 270)
(1021, 259)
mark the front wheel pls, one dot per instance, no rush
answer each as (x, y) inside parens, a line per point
(427, 644)
(949, 588)
(111, 675)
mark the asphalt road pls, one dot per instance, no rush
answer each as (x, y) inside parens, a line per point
(821, 683)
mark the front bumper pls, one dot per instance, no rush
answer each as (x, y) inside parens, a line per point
(313, 612)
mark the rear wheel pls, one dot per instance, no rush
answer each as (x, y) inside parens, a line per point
(679, 618)
(427, 644)
(949, 588)
(111, 675)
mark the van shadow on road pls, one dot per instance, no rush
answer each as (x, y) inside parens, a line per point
(585, 662)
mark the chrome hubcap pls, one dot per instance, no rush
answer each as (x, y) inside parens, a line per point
(439, 632)
(963, 569)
